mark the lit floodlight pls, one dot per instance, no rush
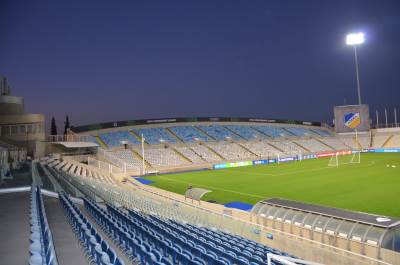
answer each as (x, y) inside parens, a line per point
(355, 38)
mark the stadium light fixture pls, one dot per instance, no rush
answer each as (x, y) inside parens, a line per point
(356, 39)
(124, 143)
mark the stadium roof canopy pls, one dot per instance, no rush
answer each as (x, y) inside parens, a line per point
(359, 217)
(77, 144)
(358, 226)
(116, 124)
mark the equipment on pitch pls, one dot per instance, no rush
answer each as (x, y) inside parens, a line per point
(344, 158)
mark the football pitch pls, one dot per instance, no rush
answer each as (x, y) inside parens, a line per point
(372, 186)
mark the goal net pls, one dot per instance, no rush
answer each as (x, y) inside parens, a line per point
(344, 158)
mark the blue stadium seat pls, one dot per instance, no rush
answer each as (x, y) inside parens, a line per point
(41, 246)
(155, 135)
(272, 131)
(96, 249)
(300, 131)
(153, 240)
(189, 134)
(219, 132)
(247, 132)
(322, 132)
(113, 139)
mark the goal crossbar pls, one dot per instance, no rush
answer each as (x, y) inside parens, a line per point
(344, 158)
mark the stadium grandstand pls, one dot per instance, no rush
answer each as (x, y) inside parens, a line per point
(206, 190)
(91, 198)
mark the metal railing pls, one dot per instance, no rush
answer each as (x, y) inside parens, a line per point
(119, 163)
(69, 138)
(385, 125)
(104, 166)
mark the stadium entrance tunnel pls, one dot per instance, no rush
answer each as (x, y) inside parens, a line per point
(341, 228)
(195, 193)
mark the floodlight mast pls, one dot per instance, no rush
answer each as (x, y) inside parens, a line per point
(143, 163)
(355, 39)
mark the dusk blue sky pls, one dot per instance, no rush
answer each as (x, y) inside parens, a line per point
(103, 61)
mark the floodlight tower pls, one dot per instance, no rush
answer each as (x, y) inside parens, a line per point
(143, 163)
(355, 39)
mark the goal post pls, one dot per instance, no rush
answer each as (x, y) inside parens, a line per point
(344, 158)
(356, 157)
(334, 160)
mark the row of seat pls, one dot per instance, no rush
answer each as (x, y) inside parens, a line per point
(146, 245)
(112, 139)
(219, 132)
(204, 133)
(76, 168)
(245, 132)
(189, 134)
(205, 153)
(226, 150)
(238, 243)
(222, 249)
(167, 243)
(321, 132)
(237, 248)
(300, 131)
(164, 157)
(156, 135)
(231, 151)
(132, 243)
(232, 244)
(313, 145)
(189, 153)
(96, 248)
(41, 246)
(151, 240)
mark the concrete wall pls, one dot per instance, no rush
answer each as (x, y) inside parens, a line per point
(32, 141)
(11, 105)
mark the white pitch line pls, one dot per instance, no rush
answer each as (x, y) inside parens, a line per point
(279, 174)
(295, 171)
(211, 187)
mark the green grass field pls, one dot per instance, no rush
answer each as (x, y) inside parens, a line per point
(370, 186)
